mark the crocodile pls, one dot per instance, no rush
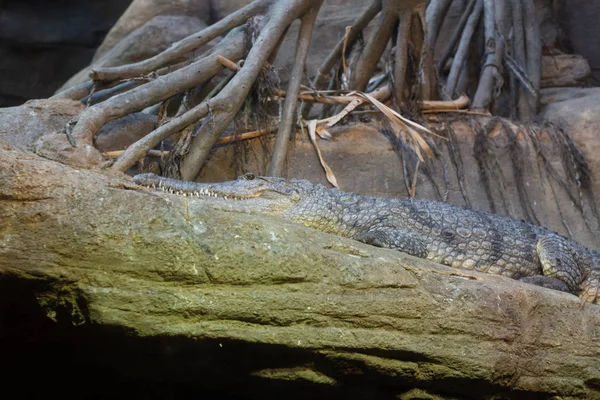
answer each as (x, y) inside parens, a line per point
(441, 232)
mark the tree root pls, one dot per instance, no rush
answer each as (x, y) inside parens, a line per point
(202, 114)
(323, 74)
(93, 118)
(227, 103)
(182, 47)
(460, 58)
(288, 113)
(501, 19)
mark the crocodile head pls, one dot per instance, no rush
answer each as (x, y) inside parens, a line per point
(249, 192)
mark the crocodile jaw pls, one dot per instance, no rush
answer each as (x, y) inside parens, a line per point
(272, 197)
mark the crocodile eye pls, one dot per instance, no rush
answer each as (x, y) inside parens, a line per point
(249, 176)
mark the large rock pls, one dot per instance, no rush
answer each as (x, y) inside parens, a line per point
(578, 111)
(173, 294)
(23, 125)
(564, 70)
(146, 41)
(142, 11)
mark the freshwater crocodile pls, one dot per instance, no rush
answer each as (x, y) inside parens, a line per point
(440, 232)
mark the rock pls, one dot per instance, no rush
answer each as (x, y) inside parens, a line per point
(142, 11)
(123, 132)
(578, 111)
(172, 294)
(39, 126)
(564, 70)
(22, 126)
(146, 41)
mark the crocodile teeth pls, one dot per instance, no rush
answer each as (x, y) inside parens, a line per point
(225, 197)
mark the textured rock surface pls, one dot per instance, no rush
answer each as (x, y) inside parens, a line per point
(23, 125)
(209, 297)
(564, 70)
(144, 42)
(578, 110)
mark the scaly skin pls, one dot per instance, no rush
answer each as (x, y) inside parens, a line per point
(440, 232)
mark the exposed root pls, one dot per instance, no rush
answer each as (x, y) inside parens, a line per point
(435, 13)
(512, 39)
(460, 58)
(367, 63)
(401, 59)
(205, 100)
(323, 74)
(182, 47)
(93, 118)
(228, 102)
(491, 76)
(533, 51)
(288, 114)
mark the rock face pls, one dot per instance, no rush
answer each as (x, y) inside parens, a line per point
(564, 70)
(23, 125)
(146, 41)
(578, 110)
(173, 292)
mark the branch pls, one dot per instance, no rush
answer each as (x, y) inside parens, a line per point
(93, 118)
(489, 70)
(373, 50)
(435, 14)
(182, 47)
(140, 148)
(401, 60)
(288, 113)
(228, 102)
(460, 58)
(323, 73)
(458, 34)
(534, 51)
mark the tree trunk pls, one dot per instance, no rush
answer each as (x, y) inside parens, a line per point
(214, 297)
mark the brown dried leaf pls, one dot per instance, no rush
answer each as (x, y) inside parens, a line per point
(312, 128)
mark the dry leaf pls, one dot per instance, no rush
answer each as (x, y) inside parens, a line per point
(312, 128)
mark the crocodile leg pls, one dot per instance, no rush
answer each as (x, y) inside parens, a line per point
(559, 261)
(590, 287)
(547, 282)
(393, 238)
